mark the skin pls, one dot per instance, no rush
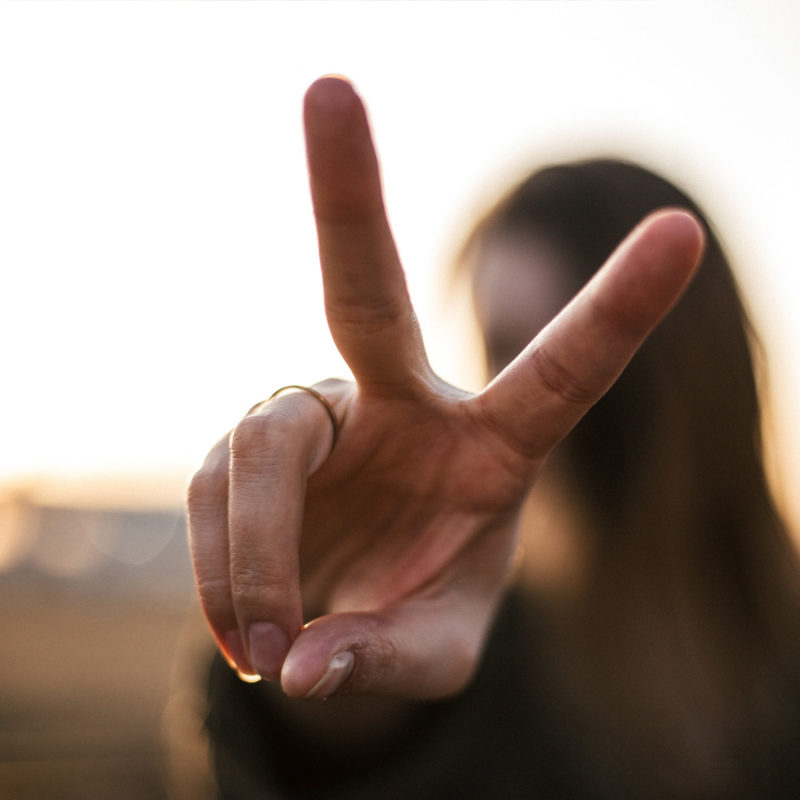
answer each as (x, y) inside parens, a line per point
(398, 543)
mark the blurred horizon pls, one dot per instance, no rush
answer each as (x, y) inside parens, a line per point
(95, 605)
(141, 490)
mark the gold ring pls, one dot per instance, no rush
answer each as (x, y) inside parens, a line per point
(322, 399)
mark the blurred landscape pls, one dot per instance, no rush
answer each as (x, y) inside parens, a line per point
(92, 604)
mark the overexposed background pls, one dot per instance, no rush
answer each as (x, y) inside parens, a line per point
(157, 244)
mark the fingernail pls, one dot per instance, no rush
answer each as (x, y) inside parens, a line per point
(237, 657)
(339, 669)
(268, 648)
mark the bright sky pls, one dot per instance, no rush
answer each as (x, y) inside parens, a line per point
(155, 230)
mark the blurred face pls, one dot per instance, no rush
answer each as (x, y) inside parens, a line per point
(521, 282)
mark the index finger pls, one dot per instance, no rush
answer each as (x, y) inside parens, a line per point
(543, 393)
(366, 300)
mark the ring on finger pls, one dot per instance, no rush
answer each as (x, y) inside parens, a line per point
(314, 393)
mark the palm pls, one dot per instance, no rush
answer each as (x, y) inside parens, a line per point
(402, 536)
(437, 480)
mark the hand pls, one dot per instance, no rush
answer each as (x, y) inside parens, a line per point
(398, 543)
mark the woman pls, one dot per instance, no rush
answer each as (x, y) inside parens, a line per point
(674, 601)
(387, 512)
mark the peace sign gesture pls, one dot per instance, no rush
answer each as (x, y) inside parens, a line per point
(396, 542)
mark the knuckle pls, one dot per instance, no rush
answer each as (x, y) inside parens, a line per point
(377, 666)
(379, 315)
(208, 487)
(560, 379)
(377, 662)
(253, 587)
(383, 657)
(214, 592)
(257, 437)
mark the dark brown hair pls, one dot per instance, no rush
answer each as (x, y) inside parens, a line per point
(683, 646)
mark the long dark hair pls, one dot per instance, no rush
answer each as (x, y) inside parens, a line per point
(684, 644)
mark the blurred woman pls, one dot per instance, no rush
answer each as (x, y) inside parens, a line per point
(670, 583)
(646, 642)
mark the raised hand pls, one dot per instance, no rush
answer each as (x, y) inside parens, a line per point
(397, 543)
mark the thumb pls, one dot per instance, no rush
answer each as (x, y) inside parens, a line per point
(421, 649)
